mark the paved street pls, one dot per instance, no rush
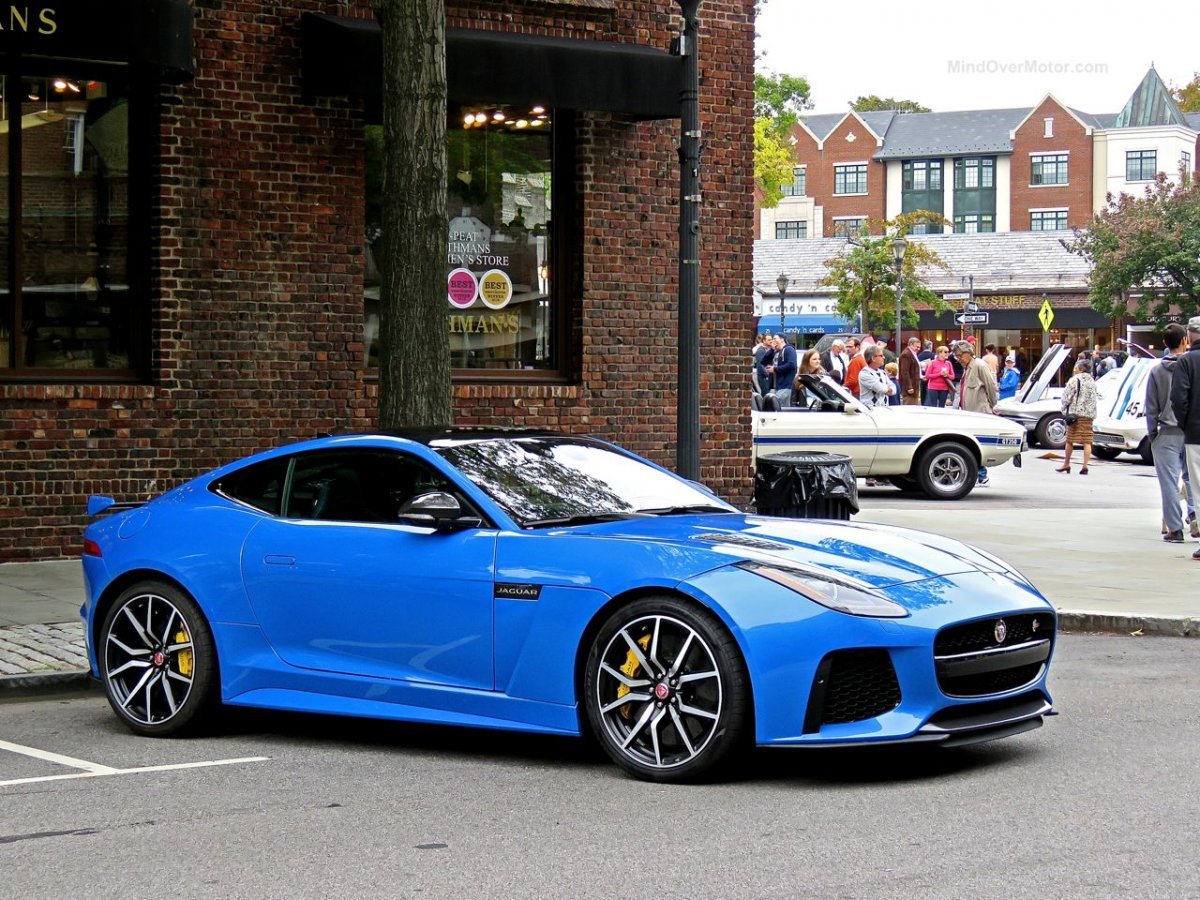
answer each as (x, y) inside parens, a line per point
(1098, 803)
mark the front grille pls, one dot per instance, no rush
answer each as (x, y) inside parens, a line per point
(979, 658)
(852, 685)
(972, 637)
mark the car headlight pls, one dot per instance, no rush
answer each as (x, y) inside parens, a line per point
(841, 594)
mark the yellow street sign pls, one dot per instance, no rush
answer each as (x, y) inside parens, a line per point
(1046, 315)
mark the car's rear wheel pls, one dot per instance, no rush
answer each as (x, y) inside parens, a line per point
(1105, 452)
(1051, 431)
(157, 660)
(1146, 451)
(666, 691)
(947, 471)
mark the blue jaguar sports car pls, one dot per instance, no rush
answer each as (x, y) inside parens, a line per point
(550, 583)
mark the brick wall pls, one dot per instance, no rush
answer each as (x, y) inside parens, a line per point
(1070, 136)
(850, 142)
(258, 314)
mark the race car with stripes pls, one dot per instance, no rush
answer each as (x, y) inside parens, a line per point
(935, 451)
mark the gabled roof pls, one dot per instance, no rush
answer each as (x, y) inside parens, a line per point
(951, 133)
(823, 125)
(1151, 104)
(1016, 261)
(1084, 120)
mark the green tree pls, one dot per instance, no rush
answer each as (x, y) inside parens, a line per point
(872, 102)
(1145, 253)
(1188, 96)
(414, 342)
(864, 274)
(778, 102)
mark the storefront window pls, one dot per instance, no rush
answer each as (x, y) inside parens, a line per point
(501, 312)
(67, 301)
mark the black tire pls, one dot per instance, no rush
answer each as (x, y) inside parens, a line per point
(1105, 452)
(947, 471)
(158, 664)
(905, 483)
(691, 717)
(1146, 452)
(1051, 431)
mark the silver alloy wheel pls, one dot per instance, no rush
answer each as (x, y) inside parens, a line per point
(947, 473)
(149, 659)
(1056, 432)
(659, 692)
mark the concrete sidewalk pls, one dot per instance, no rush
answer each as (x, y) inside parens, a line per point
(1099, 577)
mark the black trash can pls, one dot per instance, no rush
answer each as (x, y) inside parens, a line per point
(805, 485)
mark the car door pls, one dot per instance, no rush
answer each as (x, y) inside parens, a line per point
(338, 584)
(851, 431)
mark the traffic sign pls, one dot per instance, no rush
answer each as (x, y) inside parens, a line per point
(1046, 315)
(957, 295)
(971, 318)
(970, 306)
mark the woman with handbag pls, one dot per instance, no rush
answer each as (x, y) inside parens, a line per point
(939, 377)
(1079, 409)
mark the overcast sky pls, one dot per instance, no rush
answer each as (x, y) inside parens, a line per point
(1091, 56)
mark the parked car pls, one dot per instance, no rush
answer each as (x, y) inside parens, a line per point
(1120, 425)
(937, 451)
(1037, 406)
(553, 584)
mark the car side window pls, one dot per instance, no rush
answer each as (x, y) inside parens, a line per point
(358, 485)
(260, 485)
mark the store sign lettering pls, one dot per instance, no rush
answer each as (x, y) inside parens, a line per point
(508, 323)
(20, 18)
(465, 250)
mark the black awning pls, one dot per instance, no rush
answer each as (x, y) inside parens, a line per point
(143, 33)
(343, 57)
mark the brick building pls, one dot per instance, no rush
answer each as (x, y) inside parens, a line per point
(189, 204)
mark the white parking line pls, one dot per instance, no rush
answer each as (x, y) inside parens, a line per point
(95, 770)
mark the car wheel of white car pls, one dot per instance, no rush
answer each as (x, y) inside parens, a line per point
(1145, 452)
(905, 482)
(947, 471)
(1051, 432)
(1105, 453)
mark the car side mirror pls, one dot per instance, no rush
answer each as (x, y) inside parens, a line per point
(436, 509)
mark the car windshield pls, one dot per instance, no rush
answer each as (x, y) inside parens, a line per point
(562, 480)
(827, 389)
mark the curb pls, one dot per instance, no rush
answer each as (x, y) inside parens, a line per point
(44, 684)
(1137, 626)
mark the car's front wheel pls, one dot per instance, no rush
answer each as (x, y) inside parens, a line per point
(947, 471)
(1105, 453)
(1051, 431)
(157, 660)
(666, 691)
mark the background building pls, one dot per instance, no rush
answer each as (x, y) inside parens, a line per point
(188, 215)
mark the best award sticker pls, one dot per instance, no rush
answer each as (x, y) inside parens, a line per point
(495, 289)
(461, 288)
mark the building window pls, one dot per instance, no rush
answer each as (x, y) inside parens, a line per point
(921, 188)
(1141, 165)
(787, 230)
(850, 179)
(1048, 131)
(1048, 220)
(1049, 168)
(799, 184)
(853, 225)
(975, 172)
(74, 299)
(974, 223)
(1185, 163)
(504, 307)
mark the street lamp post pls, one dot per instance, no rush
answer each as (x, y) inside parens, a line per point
(782, 283)
(899, 245)
(687, 450)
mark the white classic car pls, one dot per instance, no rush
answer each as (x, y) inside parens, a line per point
(1120, 425)
(937, 451)
(1036, 405)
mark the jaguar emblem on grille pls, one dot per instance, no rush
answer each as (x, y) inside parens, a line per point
(1001, 631)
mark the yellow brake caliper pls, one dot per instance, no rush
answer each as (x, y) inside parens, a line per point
(630, 669)
(183, 659)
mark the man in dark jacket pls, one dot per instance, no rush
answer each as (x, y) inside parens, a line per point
(910, 373)
(782, 369)
(1166, 437)
(1185, 401)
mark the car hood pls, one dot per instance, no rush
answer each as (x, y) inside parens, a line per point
(931, 419)
(881, 555)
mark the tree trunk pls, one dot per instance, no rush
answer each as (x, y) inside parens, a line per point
(414, 343)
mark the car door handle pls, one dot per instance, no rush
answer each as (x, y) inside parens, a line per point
(273, 559)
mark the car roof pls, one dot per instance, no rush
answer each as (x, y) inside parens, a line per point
(429, 435)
